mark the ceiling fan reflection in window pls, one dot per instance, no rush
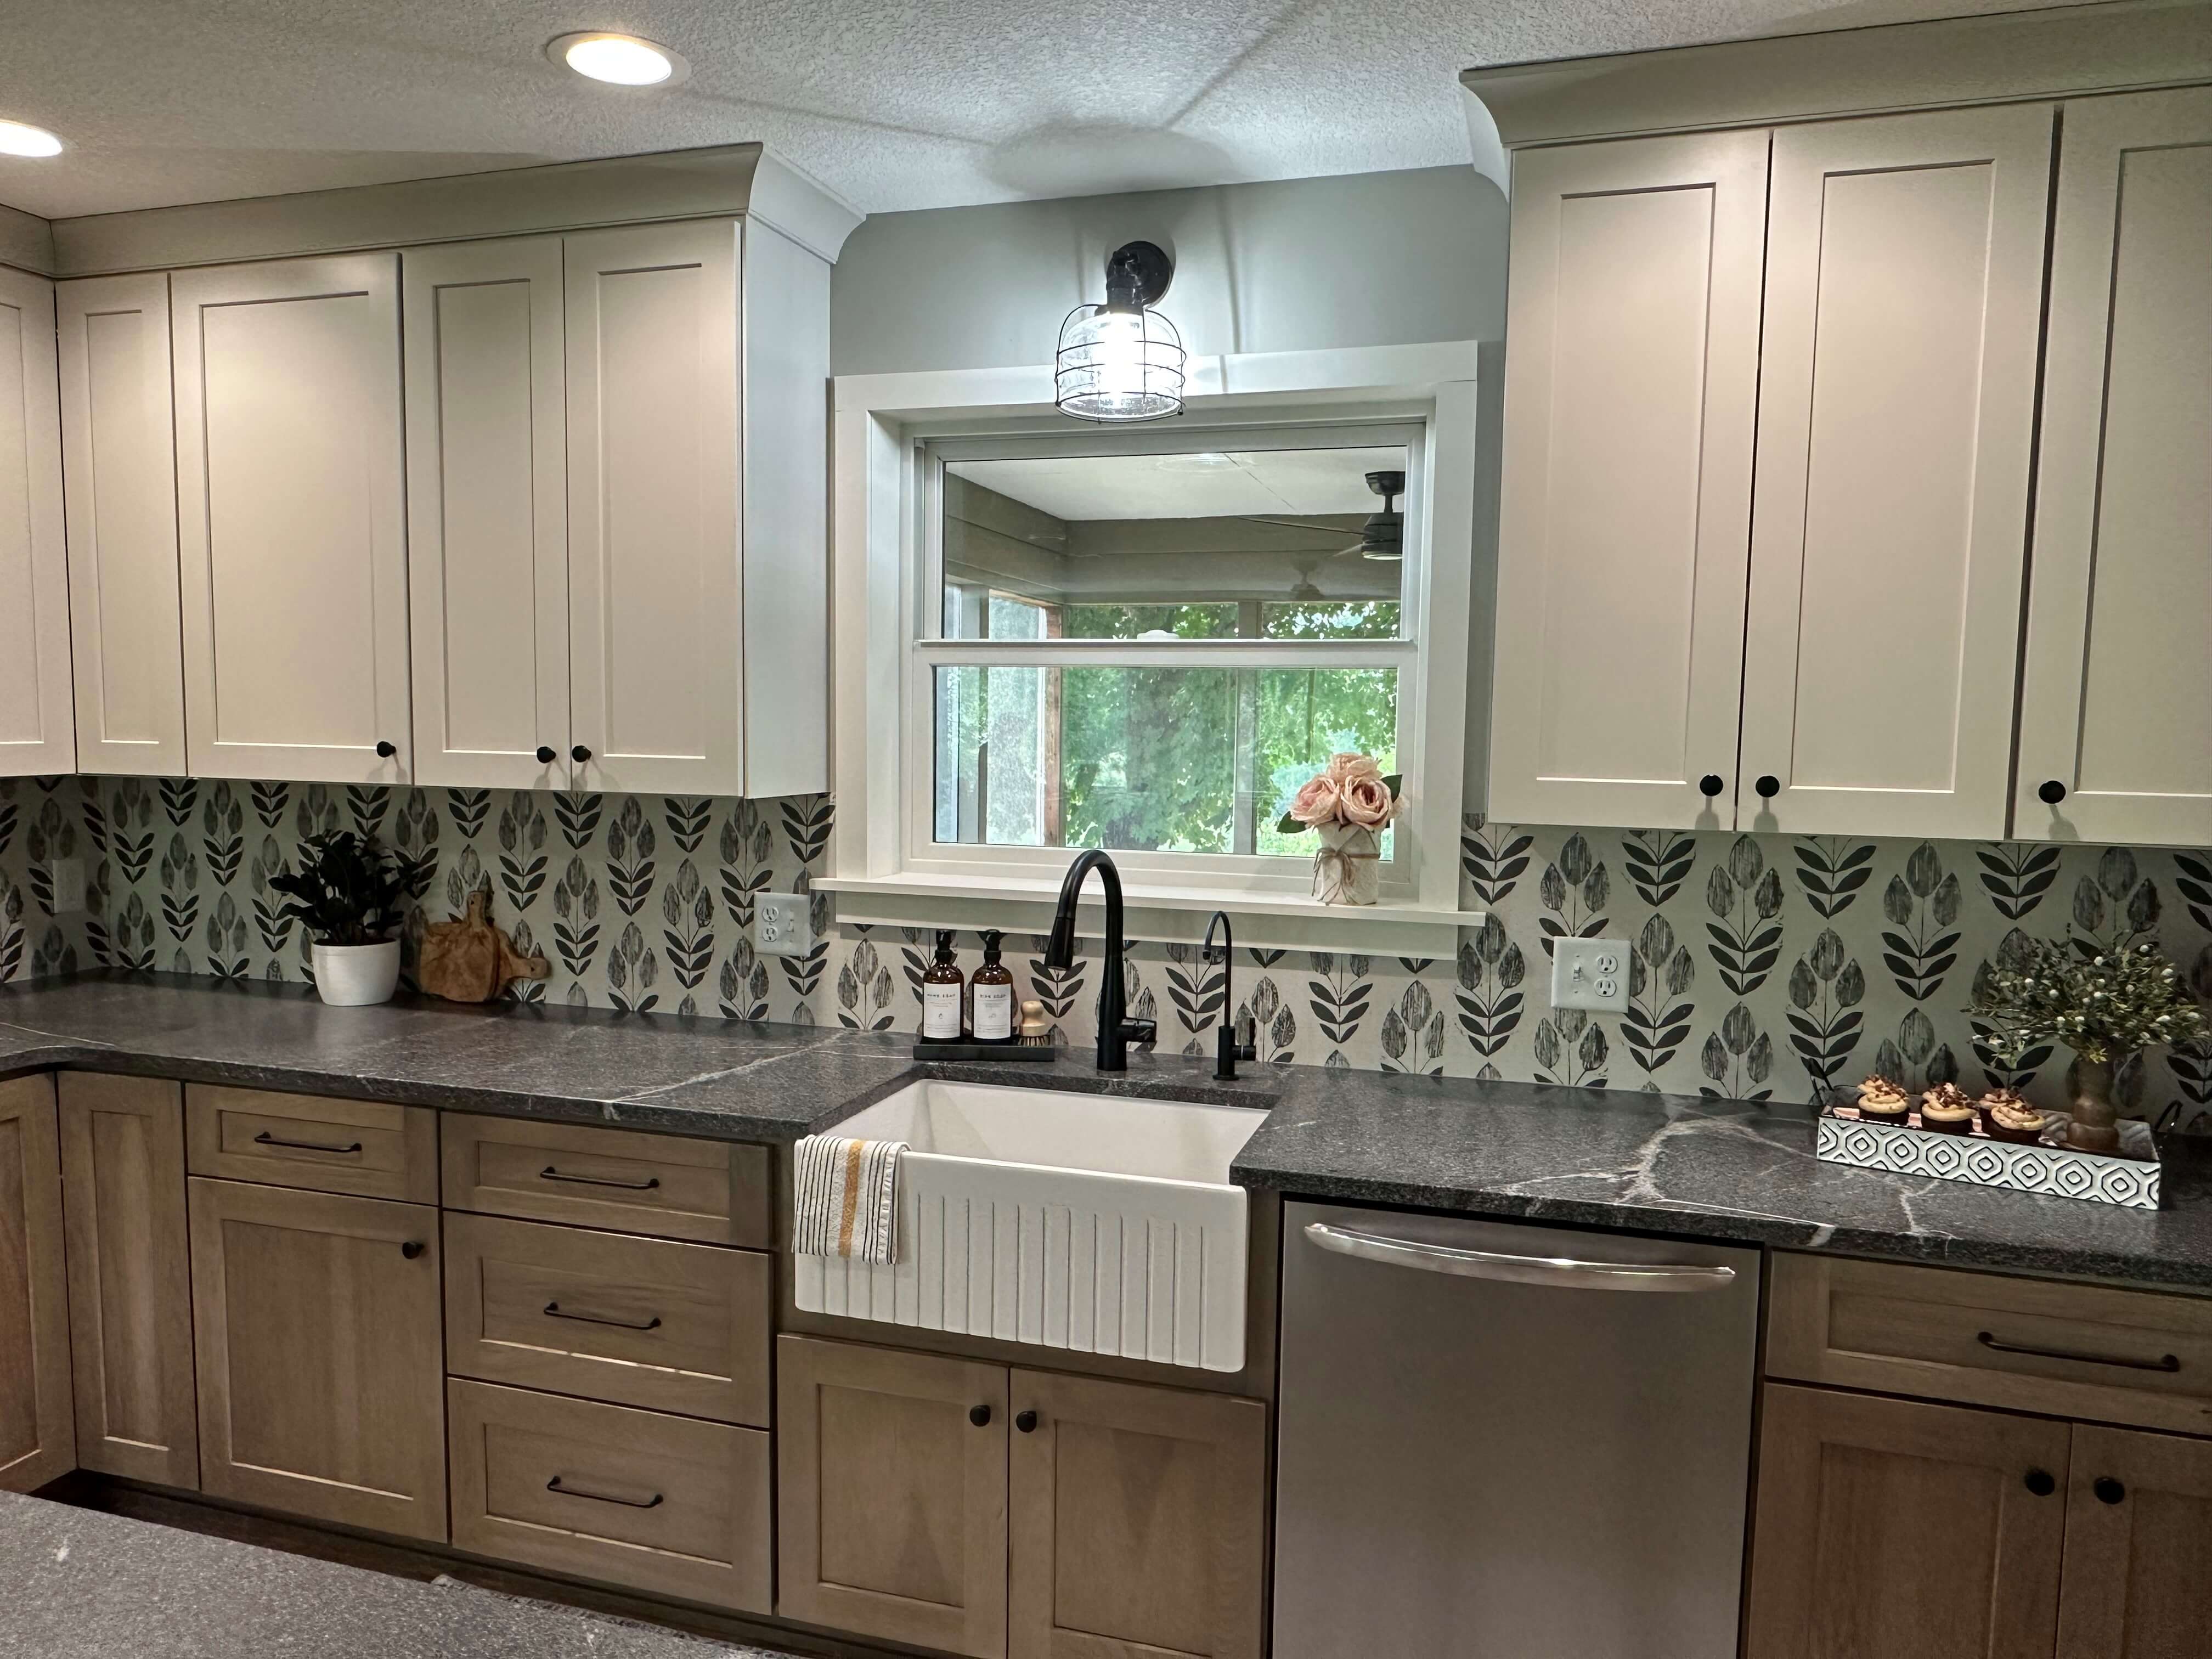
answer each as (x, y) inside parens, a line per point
(1382, 537)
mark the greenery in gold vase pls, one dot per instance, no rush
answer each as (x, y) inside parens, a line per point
(2104, 1007)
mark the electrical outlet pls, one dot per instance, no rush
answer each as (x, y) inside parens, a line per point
(67, 875)
(782, 925)
(1590, 973)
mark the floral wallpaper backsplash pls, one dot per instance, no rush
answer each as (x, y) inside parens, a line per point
(1761, 966)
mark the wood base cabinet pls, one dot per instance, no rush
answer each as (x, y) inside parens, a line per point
(37, 1440)
(317, 1328)
(2138, 1542)
(1892, 1529)
(1139, 1521)
(130, 1277)
(1000, 1513)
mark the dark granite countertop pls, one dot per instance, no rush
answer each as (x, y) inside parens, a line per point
(85, 1585)
(1651, 1163)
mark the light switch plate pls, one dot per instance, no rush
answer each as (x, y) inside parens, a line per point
(1590, 973)
(67, 875)
(782, 925)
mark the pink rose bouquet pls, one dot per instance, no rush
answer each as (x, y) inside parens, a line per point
(1352, 789)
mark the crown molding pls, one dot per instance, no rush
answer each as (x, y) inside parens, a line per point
(27, 241)
(2118, 45)
(686, 184)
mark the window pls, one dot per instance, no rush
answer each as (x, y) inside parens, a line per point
(1051, 637)
(1149, 648)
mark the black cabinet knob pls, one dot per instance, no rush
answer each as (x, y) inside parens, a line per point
(1768, 786)
(2041, 1482)
(1711, 785)
(412, 1249)
(2051, 793)
(545, 754)
(1026, 1421)
(980, 1416)
(579, 754)
(386, 751)
(2108, 1489)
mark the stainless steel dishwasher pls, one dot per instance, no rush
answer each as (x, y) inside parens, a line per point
(1506, 1442)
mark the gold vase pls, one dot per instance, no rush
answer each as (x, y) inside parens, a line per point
(2095, 1126)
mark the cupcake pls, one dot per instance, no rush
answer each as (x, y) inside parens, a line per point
(2006, 1116)
(1881, 1101)
(1945, 1110)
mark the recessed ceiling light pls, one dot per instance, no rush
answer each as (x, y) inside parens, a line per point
(20, 139)
(621, 60)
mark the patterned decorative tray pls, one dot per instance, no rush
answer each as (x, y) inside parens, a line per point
(2051, 1171)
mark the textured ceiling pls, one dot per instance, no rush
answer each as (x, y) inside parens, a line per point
(892, 103)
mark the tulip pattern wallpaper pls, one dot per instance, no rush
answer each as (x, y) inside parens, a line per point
(1762, 967)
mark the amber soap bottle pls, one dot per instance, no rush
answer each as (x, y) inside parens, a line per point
(942, 987)
(994, 993)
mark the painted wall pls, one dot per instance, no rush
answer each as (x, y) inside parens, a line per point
(1763, 966)
(1378, 258)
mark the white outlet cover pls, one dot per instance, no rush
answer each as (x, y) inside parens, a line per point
(782, 925)
(1590, 973)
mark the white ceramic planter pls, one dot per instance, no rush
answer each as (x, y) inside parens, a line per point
(355, 975)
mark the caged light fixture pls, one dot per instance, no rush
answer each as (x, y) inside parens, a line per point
(1122, 361)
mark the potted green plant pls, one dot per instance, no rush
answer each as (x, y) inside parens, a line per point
(2105, 1006)
(347, 891)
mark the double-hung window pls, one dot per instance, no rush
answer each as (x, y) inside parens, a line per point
(1146, 640)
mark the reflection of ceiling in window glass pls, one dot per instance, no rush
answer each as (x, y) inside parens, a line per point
(1206, 486)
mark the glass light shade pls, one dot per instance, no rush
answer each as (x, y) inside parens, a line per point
(20, 138)
(1118, 363)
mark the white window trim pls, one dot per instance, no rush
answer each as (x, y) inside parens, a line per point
(884, 864)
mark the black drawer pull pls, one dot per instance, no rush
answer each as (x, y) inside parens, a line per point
(265, 1138)
(2163, 1363)
(652, 1503)
(554, 1311)
(549, 1173)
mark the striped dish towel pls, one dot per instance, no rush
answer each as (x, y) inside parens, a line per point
(845, 1199)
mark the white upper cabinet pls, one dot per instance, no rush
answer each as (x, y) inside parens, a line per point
(487, 511)
(119, 441)
(1631, 392)
(2117, 708)
(291, 503)
(37, 727)
(655, 583)
(1897, 395)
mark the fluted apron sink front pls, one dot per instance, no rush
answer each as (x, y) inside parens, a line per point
(1105, 1223)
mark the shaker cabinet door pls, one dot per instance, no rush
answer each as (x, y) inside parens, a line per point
(2138, 1535)
(129, 1276)
(891, 1495)
(37, 1440)
(1139, 1521)
(487, 512)
(322, 1390)
(2116, 714)
(291, 519)
(38, 730)
(655, 613)
(120, 462)
(1891, 1529)
(1896, 409)
(1626, 490)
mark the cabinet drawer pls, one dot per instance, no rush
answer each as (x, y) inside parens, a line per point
(635, 1322)
(366, 1148)
(2031, 1345)
(714, 1191)
(631, 1498)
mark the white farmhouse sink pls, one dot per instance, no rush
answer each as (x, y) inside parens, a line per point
(1100, 1223)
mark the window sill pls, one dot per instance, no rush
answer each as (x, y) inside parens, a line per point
(1174, 915)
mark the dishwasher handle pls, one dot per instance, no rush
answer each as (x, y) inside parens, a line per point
(1561, 1271)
